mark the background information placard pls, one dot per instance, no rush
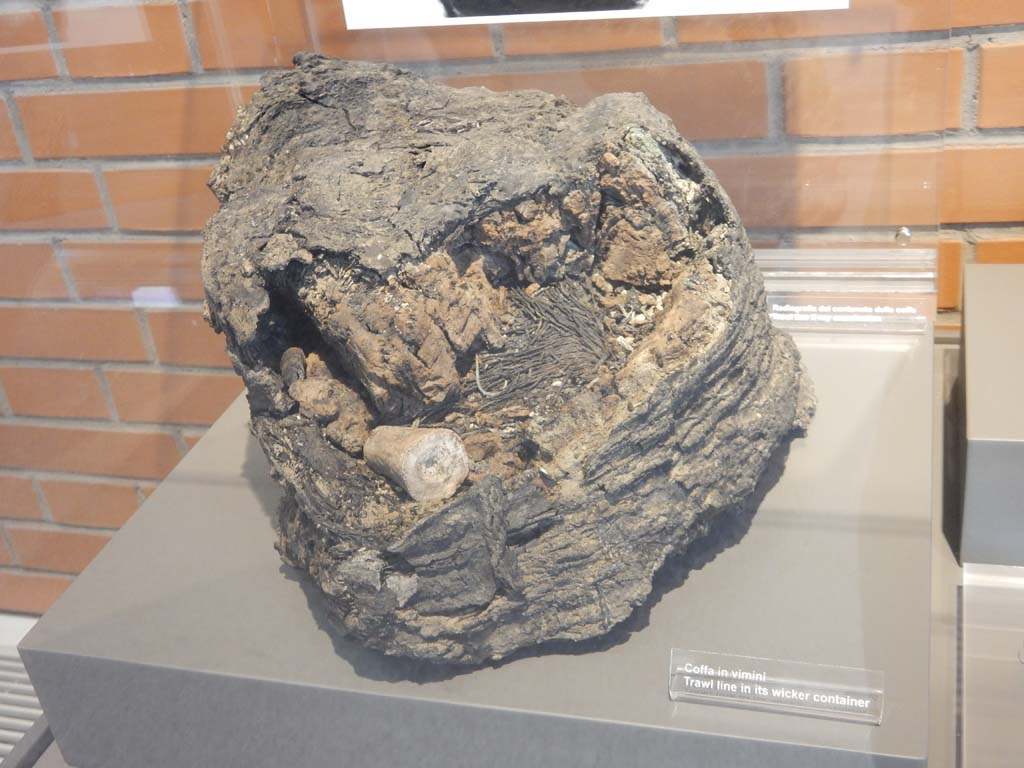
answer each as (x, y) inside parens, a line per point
(376, 14)
(839, 693)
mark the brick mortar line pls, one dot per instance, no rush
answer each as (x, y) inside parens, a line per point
(5, 405)
(57, 246)
(968, 255)
(73, 477)
(93, 237)
(148, 343)
(984, 138)
(781, 141)
(108, 394)
(10, 546)
(27, 236)
(44, 503)
(23, 570)
(219, 78)
(109, 210)
(116, 366)
(669, 27)
(56, 45)
(970, 98)
(53, 525)
(1000, 226)
(1013, 230)
(18, 126)
(497, 34)
(75, 4)
(1012, 31)
(776, 91)
(115, 162)
(681, 54)
(189, 32)
(141, 238)
(179, 439)
(99, 304)
(101, 425)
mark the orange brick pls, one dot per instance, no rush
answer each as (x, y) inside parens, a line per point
(169, 121)
(832, 190)
(191, 440)
(30, 592)
(329, 35)
(50, 200)
(1001, 103)
(863, 17)
(92, 451)
(983, 184)
(119, 40)
(239, 33)
(873, 94)
(30, 272)
(162, 199)
(184, 338)
(117, 270)
(93, 504)
(18, 499)
(176, 398)
(950, 260)
(978, 13)
(55, 550)
(57, 392)
(8, 143)
(25, 47)
(70, 334)
(581, 36)
(6, 558)
(1004, 250)
(691, 94)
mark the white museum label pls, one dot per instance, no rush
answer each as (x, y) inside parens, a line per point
(378, 14)
(794, 687)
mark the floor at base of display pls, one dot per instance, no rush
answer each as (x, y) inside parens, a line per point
(188, 643)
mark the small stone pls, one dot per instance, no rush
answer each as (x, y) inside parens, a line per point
(428, 464)
(293, 365)
(600, 283)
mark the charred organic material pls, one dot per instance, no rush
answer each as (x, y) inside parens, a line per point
(562, 296)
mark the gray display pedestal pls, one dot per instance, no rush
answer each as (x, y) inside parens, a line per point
(187, 643)
(993, 514)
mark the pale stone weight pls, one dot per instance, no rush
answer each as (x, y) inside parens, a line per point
(428, 464)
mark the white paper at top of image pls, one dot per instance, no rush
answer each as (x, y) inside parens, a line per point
(378, 14)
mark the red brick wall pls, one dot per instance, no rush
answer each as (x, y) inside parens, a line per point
(826, 128)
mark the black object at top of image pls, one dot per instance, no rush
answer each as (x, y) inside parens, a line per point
(512, 7)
